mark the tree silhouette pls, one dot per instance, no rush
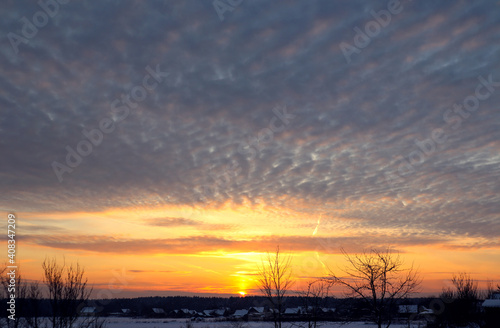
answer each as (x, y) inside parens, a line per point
(275, 281)
(68, 292)
(379, 279)
(463, 296)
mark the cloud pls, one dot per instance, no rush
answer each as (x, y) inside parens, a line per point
(177, 222)
(204, 244)
(149, 271)
(200, 137)
(171, 222)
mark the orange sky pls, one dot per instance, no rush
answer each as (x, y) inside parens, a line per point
(167, 148)
(217, 249)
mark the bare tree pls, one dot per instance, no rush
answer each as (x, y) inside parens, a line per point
(490, 290)
(314, 298)
(27, 298)
(379, 279)
(2, 291)
(465, 286)
(275, 280)
(68, 292)
(463, 298)
(18, 287)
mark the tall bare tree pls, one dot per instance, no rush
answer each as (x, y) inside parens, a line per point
(379, 279)
(68, 292)
(275, 280)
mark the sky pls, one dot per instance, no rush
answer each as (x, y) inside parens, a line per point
(167, 146)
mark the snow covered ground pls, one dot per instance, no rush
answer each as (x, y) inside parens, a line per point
(181, 323)
(114, 322)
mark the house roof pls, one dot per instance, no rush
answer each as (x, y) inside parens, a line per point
(292, 311)
(187, 311)
(220, 311)
(492, 303)
(88, 309)
(424, 310)
(259, 309)
(241, 313)
(158, 310)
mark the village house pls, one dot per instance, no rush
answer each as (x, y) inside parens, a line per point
(491, 308)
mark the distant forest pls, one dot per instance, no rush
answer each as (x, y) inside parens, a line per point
(142, 306)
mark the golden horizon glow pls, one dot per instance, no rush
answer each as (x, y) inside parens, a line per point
(217, 249)
(174, 169)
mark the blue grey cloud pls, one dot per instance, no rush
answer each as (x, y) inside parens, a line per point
(209, 131)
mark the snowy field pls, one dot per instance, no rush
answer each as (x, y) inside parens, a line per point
(113, 322)
(180, 323)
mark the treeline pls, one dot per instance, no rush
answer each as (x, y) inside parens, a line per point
(377, 285)
(345, 308)
(141, 306)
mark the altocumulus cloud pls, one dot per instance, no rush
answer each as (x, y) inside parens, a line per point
(353, 122)
(207, 244)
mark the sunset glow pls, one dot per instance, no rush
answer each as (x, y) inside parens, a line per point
(218, 249)
(167, 150)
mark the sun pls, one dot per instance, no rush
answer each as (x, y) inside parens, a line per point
(242, 294)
